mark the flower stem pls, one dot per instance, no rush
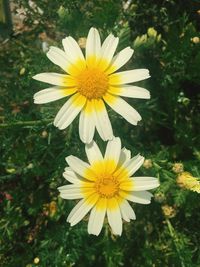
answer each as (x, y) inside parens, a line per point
(24, 123)
(175, 239)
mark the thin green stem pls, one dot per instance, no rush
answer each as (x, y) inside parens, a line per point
(24, 123)
(173, 235)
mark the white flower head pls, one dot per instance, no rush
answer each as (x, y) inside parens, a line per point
(104, 186)
(91, 82)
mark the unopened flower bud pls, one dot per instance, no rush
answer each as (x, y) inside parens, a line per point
(44, 134)
(195, 40)
(178, 167)
(147, 163)
(82, 42)
(36, 260)
(169, 211)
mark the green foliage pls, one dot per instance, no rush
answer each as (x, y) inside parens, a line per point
(33, 217)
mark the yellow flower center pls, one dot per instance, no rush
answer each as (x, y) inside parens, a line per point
(92, 83)
(107, 187)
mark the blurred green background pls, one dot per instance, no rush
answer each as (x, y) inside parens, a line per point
(33, 227)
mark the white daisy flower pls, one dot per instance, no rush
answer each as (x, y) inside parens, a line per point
(91, 82)
(104, 186)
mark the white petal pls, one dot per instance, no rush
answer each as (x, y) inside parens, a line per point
(114, 218)
(126, 211)
(144, 183)
(87, 123)
(96, 219)
(130, 91)
(134, 164)
(109, 46)
(70, 192)
(145, 178)
(71, 177)
(73, 211)
(113, 151)
(123, 108)
(55, 79)
(129, 76)
(142, 197)
(69, 188)
(52, 94)
(69, 111)
(82, 210)
(120, 59)
(93, 153)
(107, 51)
(125, 156)
(58, 57)
(74, 195)
(93, 46)
(77, 165)
(127, 185)
(73, 51)
(102, 120)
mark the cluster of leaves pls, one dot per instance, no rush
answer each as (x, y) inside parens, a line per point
(33, 228)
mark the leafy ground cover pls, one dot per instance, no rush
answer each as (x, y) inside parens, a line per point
(33, 227)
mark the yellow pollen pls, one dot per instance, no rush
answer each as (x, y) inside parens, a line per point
(92, 83)
(107, 187)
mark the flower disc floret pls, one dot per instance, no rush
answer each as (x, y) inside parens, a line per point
(92, 83)
(107, 187)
